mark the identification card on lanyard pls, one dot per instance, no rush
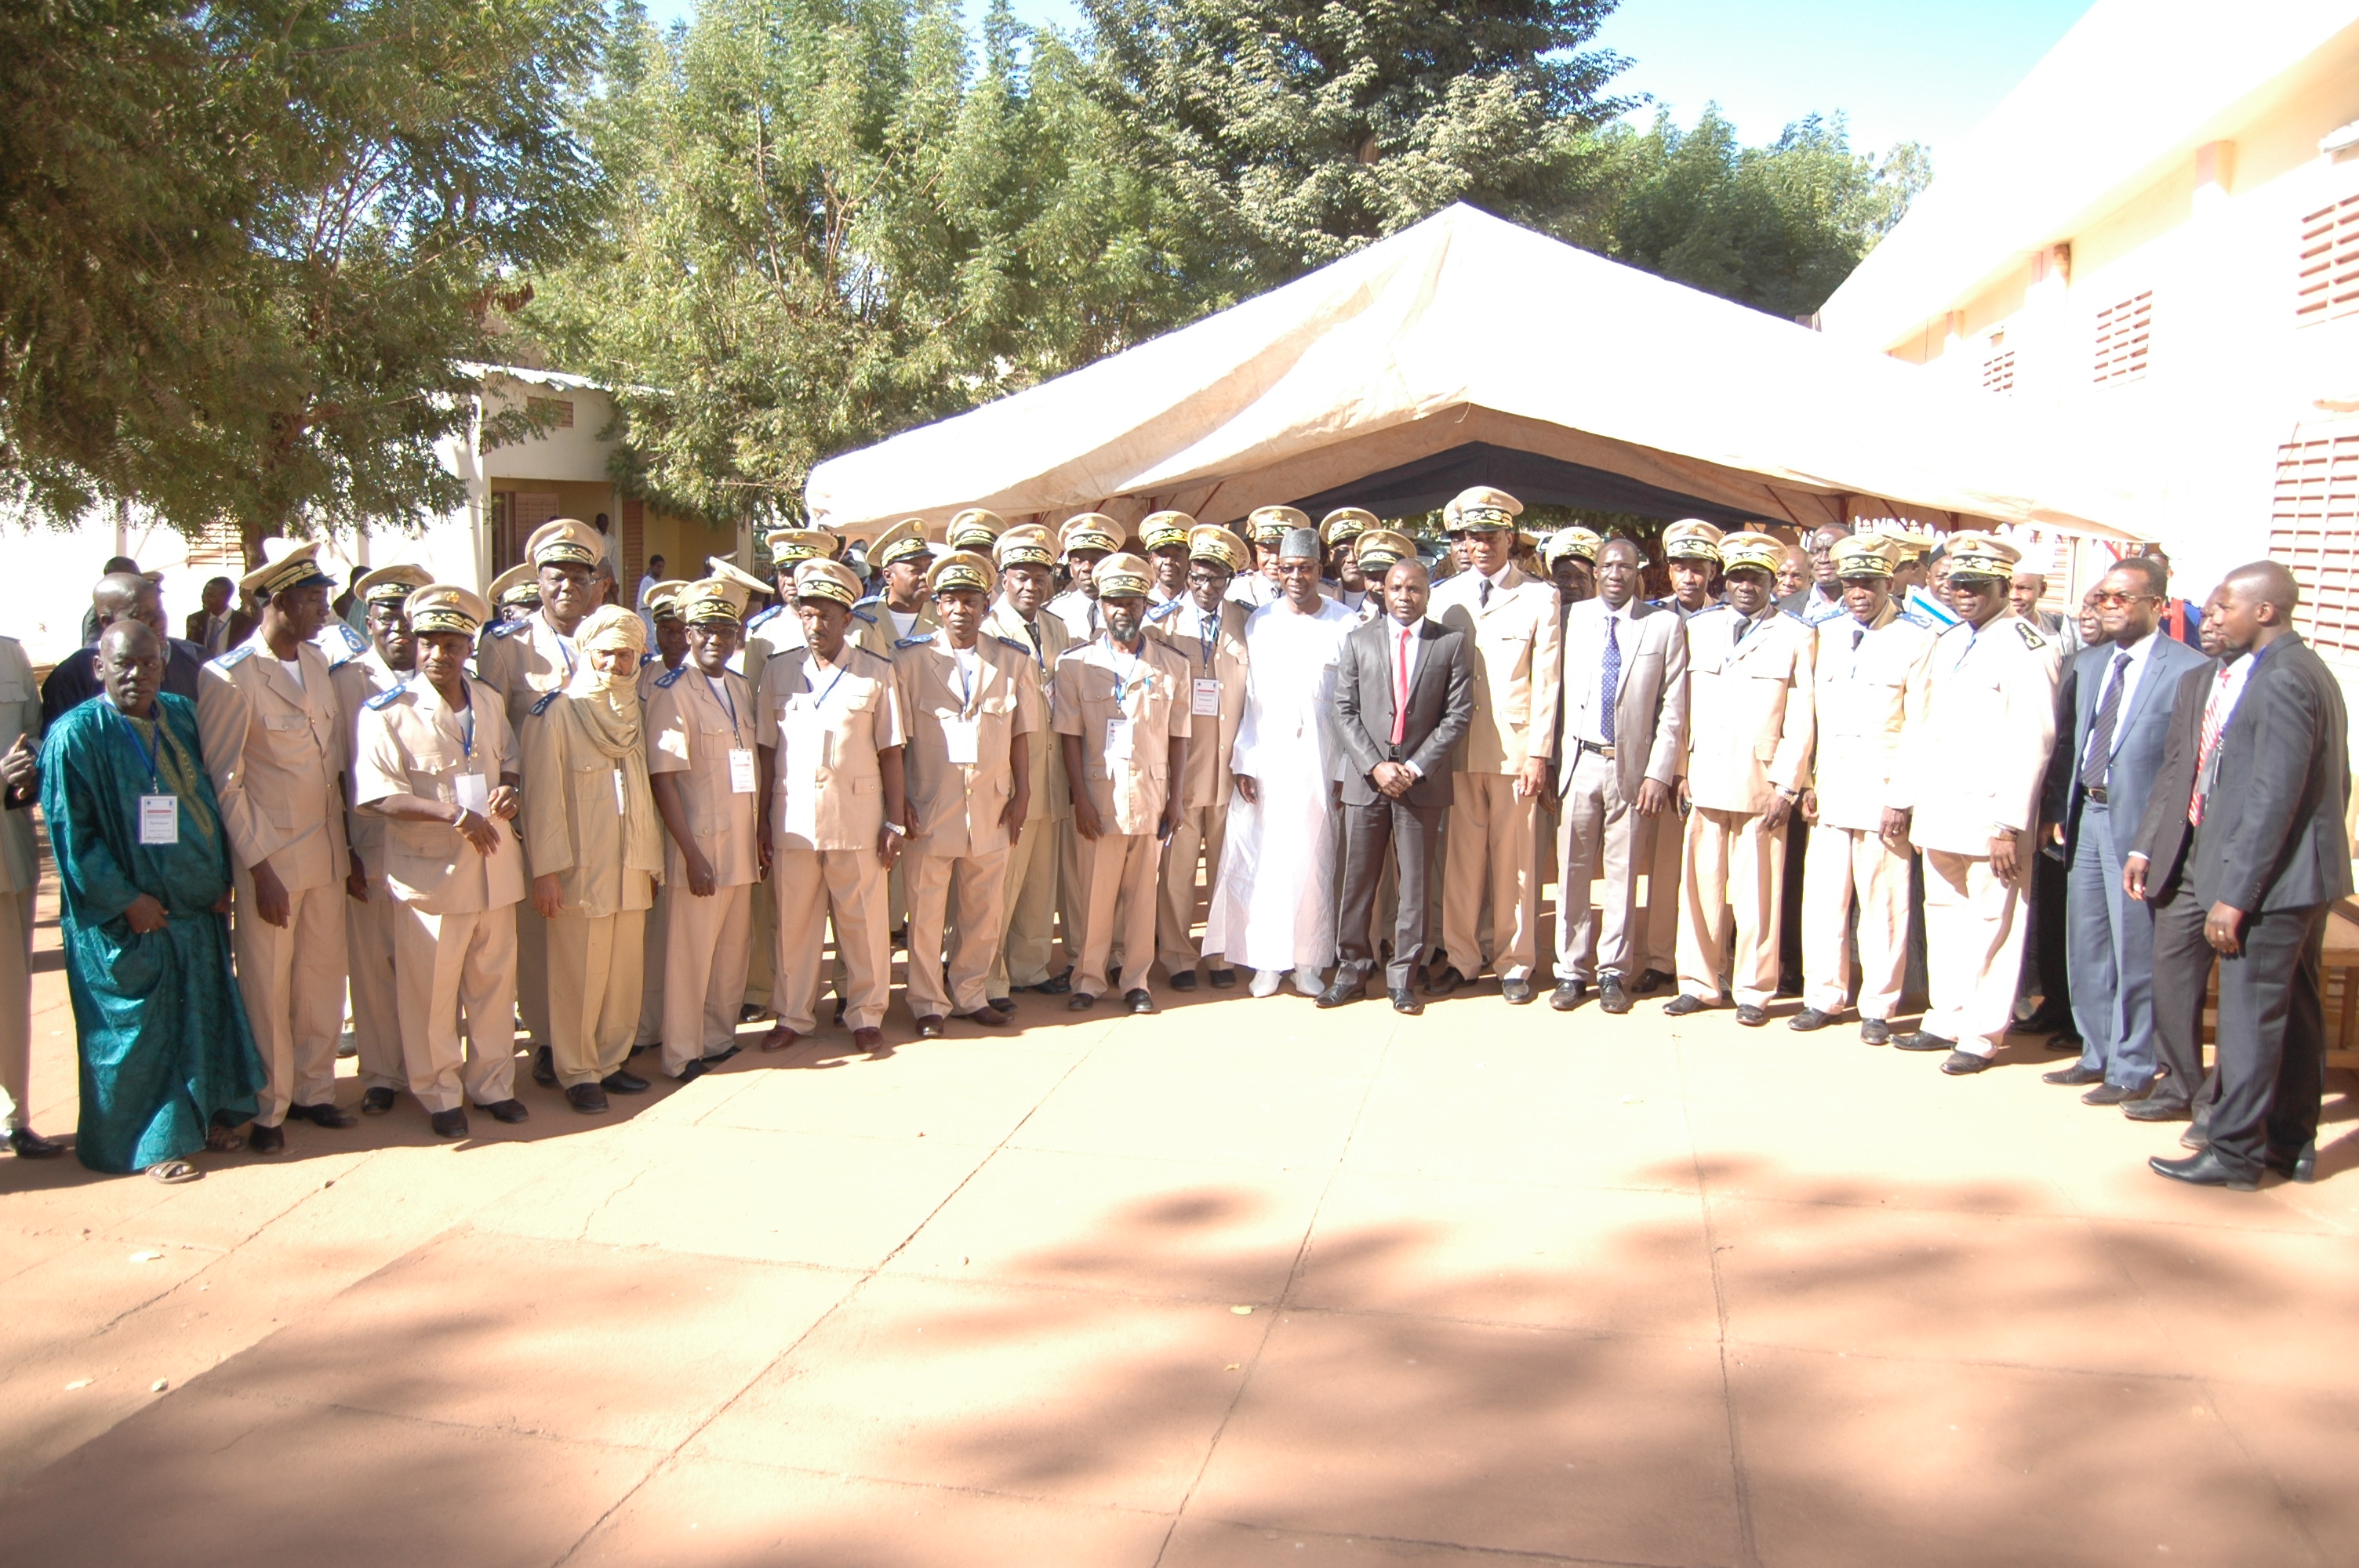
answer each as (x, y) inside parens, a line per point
(962, 740)
(159, 819)
(741, 771)
(1118, 744)
(1207, 704)
(805, 739)
(474, 793)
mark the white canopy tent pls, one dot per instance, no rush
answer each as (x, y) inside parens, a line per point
(1469, 351)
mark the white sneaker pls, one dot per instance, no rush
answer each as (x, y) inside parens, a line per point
(1305, 980)
(1266, 981)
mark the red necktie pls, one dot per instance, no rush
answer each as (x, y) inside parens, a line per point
(2214, 720)
(1400, 690)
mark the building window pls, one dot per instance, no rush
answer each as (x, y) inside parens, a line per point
(1999, 370)
(2314, 531)
(2122, 332)
(558, 411)
(2326, 276)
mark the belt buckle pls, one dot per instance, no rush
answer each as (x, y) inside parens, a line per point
(1604, 752)
(2095, 792)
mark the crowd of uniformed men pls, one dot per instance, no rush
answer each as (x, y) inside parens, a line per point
(635, 828)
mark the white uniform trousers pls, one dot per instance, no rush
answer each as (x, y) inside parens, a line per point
(958, 899)
(292, 978)
(16, 1008)
(1848, 865)
(1974, 949)
(650, 1029)
(708, 944)
(1118, 898)
(1200, 835)
(1492, 844)
(377, 1004)
(1734, 865)
(1600, 839)
(810, 885)
(1027, 950)
(593, 991)
(450, 967)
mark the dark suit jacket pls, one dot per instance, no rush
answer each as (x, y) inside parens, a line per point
(75, 680)
(1440, 707)
(241, 627)
(2162, 835)
(2273, 835)
(2140, 731)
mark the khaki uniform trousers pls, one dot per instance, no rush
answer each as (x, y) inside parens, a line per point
(1666, 847)
(762, 941)
(1072, 895)
(810, 886)
(650, 1030)
(1200, 835)
(376, 1001)
(532, 969)
(595, 975)
(1974, 949)
(1600, 837)
(1734, 866)
(977, 886)
(1848, 865)
(292, 978)
(450, 965)
(16, 1008)
(1118, 900)
(1029, 948)
(1492, 842)
(708, 942)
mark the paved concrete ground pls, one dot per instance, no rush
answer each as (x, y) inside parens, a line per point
(1243, 1284)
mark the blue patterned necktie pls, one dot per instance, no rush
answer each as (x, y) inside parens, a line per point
(2097, 761)
(1613, 680)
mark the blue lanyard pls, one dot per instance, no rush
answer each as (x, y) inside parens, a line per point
(155, 780)
(1137, 667)
(821, 699)
(467, 736)
(966, 687)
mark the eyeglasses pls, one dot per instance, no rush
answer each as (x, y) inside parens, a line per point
(2101, 598)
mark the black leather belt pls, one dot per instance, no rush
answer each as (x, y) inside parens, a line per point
(1604, 752)
(2095, 792)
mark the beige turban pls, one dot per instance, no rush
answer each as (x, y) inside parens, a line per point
(611, 626)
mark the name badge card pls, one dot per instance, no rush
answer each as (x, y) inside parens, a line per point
(159, 819)
(741, 771)
(806, 740)
(1118, 744)
(960, 739)
(474, 794)
(1208, 698)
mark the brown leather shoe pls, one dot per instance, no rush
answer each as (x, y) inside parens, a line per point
(780, 1038)
(869, 1039)
(989, 1017)
(931, 1026)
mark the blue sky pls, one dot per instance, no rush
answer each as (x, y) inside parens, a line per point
(1901, 70)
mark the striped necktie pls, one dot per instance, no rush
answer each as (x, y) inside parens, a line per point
(2215, 716)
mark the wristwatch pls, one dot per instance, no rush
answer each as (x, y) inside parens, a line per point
(895, 829)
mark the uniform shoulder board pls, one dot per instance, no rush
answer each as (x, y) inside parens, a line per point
(235, 656)
(917, 640)
(1715, 606)
(2031, 637)
(860, 614)
(764, 618)
(386, 699)
(543, 704)
(1168, 607)
(1791, 615)
(671, 675)
(353, 642)
(505, 629)
(1023, 648)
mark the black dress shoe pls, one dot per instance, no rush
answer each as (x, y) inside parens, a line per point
(376, 1101)
(749, 1011)
(2295, 1165)
(507, 1110)
(1222, 980)
(2204, 1170)
(1002, 1004)
(1517, 993)
(544, 1068)
(1140, 1001)
(587, 1099)
(1082, 1002)
(1683, 1006)
(331, 1115)
(988, 1016)
(714, 1058)
(2154, 1107)
(1344, 988)
(622, 1081)
(693, 1072)
(1611, 996)
(1809, 1019)
(1114, 976)
(2114, 1094)
(2073, 1076)
(1058, 983)
(837, 1017)
(266, 1140)
(931, 1026)
(1652, 980)
(1568, 995)
(1958, 1063)
(1876, 1032)
(2067, 1041)
(1443, 984)
(1183, 979)
(448, 1123)
(1920, 1041)
(2043, 1019)
(1750, 1016)
(1405, 1000)
(28, 1144)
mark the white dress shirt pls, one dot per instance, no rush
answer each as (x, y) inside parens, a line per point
(2141, 654)
(1584, 650)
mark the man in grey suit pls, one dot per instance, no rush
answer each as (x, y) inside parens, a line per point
(1404, 698)
(1625, 713)
(2272, 792)
(2156, 874)
(2122, 693)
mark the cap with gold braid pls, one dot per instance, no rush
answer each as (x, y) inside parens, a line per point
(1481, 510)
(1861, 555)
(1090, 531)
(905, 540)
(565, 542)
(446, 607)
(1345, 524)
(1691, 539)
(663, 600)
(1268, 525)
(975, 529)
(1763, 552)
(391, 584)
(787, 546)
(1580, 544)
(1982, 556)
(1123, 576)
(712, 598)
(1212, 542)
(830, 580)
(1379, 549)
(1025, 544)
(1165, 531)
(962, 568)
(720, 566)
(286, 565)
(518, 585)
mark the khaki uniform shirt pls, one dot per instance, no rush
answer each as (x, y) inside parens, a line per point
(844, 716)
(20, 715)
(690, 732)
(1052, 799)
(1079, 611)
(958, 805)
(357, 680)
(1213, 651)
(1971, 767)
(1749, 708)
(1095, 684)
(573, 815)
(274, 749)
(1869, 689)
(873, 626)
(775, 631)
(1516, 642)
(409, 741)
(524, 661)
(652, 669)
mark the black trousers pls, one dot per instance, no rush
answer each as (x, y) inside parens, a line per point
(1371, 833)
(2182, 967)
(2045, 960)
(2272, 1040)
